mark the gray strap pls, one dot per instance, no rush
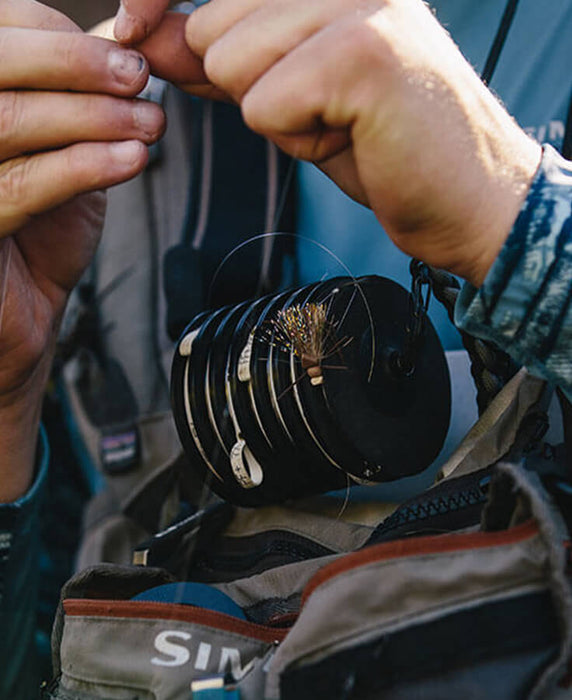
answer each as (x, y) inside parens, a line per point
(493, 435)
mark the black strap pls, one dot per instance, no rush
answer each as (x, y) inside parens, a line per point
(499, 41)
(493, 58)
(567, 142)
(236, 181)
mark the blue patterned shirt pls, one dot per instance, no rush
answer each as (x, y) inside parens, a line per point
(524, 303)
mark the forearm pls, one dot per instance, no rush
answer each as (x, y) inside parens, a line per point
(524, 303)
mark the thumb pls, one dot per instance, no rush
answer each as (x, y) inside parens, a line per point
(168, 54)
(136, 19)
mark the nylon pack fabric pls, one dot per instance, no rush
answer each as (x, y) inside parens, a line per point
(399, 628)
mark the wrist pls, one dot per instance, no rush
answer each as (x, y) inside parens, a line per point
(501, 205)
(19, 424)
(524, 303)
(20, 413)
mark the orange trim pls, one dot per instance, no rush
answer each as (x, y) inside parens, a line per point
(169, 611)
(433, 544)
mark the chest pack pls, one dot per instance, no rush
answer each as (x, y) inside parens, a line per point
(463, 589)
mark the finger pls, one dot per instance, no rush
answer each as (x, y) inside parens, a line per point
(65, 61)
(209, 22)
(28, 13)
(35, 184)
(306, 97)
(168, 54)
(245, 51)
(73, 118)
(206, 92)
(170, 58)
(317, 145)
(136, 19)
(342, 169)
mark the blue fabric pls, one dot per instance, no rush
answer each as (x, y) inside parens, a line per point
(19, 547)
(524, 303)
(190, 593)
(532, 78)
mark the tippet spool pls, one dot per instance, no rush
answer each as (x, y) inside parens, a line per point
(301, 392)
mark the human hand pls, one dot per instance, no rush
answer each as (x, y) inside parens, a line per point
(160, 36)
(69, 127)
(137, 19)
(379, 96)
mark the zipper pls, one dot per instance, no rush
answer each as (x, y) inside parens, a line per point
(462, 497)
(289, 547)
(149, 610)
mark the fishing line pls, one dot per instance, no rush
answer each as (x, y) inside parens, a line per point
(321, 247)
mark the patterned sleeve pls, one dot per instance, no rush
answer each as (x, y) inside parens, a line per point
(524, 303)
(19, 552)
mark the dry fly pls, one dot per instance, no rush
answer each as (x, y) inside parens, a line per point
(306, 331)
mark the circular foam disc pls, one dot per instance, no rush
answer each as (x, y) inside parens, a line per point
(397, 422)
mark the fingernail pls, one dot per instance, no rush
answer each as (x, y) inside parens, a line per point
(126, 152)
(148, 118)
(128, 29)
(125, 66)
